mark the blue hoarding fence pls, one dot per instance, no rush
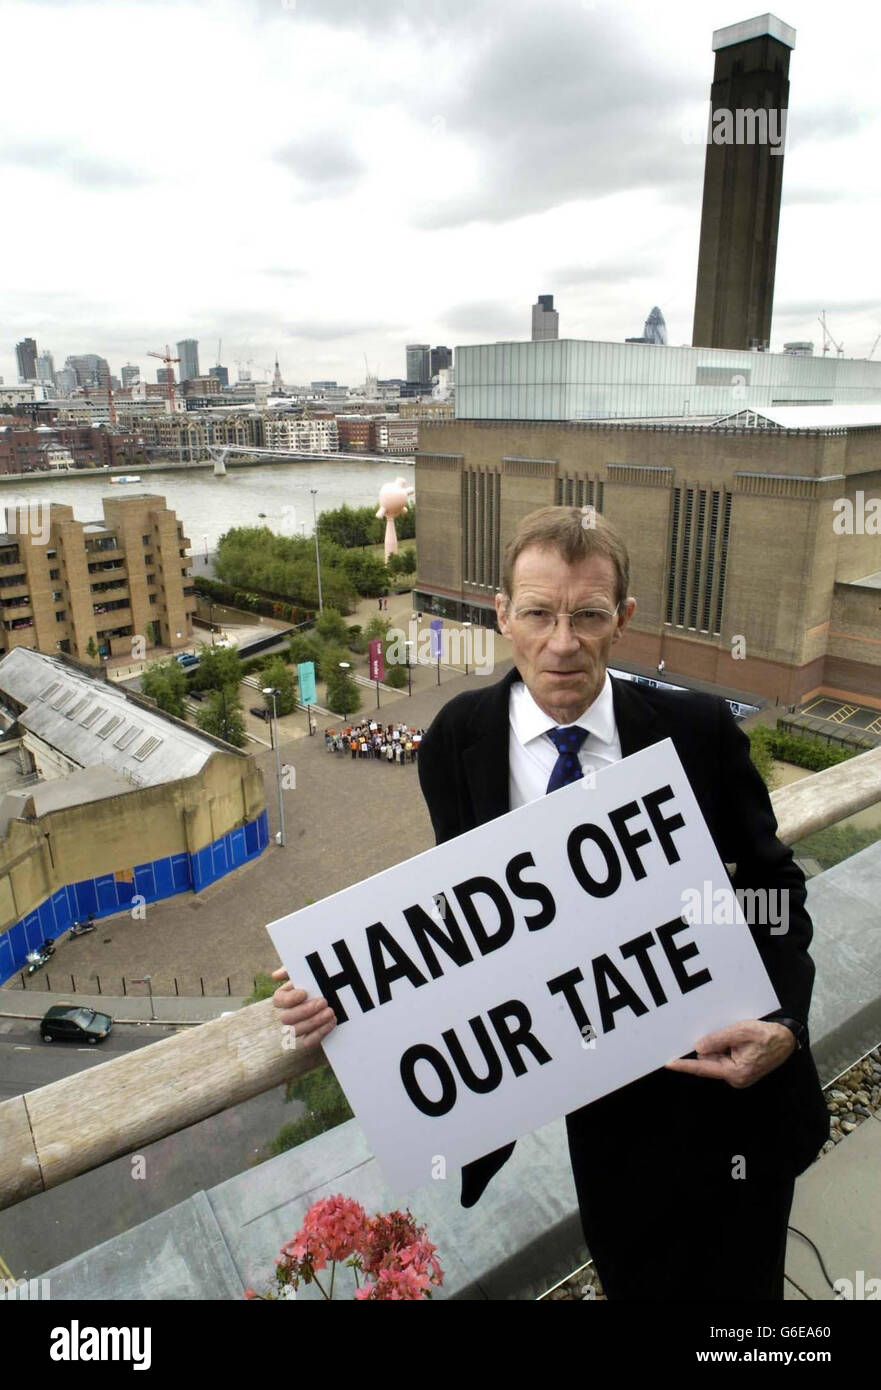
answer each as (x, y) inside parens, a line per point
(106, 894)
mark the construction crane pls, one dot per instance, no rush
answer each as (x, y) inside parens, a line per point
(827, 337)
(167, 358)
(874, 345)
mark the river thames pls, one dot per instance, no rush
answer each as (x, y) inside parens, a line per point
(209, 506)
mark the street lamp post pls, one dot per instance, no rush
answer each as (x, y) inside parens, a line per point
(314, 492)
(148, 981)
(205, 539)
(407, 646)
(467, 627)
(344, 667)
(270, 690)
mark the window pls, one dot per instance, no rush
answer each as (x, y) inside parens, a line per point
(60, 616)
(112, 723)
(147, 748)
(152, 598)
(146, 539)
(57, 595)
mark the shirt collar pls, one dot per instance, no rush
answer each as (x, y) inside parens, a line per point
(529, 722)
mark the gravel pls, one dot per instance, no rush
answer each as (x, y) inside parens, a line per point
(851, 1099)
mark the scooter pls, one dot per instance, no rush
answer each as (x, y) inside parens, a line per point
(82, 928)
(37, 959)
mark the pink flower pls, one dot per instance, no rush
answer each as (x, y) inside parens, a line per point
(397, 1284)
(334, 1229)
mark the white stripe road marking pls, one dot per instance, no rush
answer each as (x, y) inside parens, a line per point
(21, 1047)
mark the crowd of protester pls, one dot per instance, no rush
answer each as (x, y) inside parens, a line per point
(390, 743)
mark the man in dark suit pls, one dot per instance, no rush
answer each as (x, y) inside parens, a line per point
(684, 1177)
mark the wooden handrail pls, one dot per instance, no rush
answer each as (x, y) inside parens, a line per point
(58, 1131)
(827, 797)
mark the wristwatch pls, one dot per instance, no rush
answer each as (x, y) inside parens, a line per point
(796, 1028)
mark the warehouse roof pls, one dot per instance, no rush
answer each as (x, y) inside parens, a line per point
(807, 417)
(93, 723)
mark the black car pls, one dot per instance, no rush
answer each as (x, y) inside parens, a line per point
(74, 1023)
(260, 713)
(196, 694)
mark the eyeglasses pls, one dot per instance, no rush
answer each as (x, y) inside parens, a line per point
(586, 622)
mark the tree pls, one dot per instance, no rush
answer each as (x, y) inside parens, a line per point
(223, 716)
(366, 571)
(326, 1107)
(343, 695)
(377, 627)
(330, 626)
(219, 667)
(305, 646)
(91, 649)
(166, 683)
(761, 753)
(278, 674)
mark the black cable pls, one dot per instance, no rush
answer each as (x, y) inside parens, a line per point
(799, 1287)
(797, 1232)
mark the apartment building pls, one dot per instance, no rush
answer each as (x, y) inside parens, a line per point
(396, 436)
(89, 588)
(357, 434)
(315, 436)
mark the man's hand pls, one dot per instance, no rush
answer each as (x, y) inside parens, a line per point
(311, 1019)
(741, 1054)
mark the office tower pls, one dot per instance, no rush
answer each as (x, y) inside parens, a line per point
(130, 375)
(220, 374)
(441, 357)
(655, 330)
(65, 381)
(743, 179)
(188, 352)
(90, 370)
(26, 357)
(418, 364)
(164, 375)
(545, 319)
(45, 368)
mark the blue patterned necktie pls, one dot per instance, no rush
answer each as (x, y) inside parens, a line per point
(567, 741)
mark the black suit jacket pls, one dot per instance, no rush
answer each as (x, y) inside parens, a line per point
(464, 774)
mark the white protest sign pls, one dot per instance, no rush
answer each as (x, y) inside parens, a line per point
(555, 967)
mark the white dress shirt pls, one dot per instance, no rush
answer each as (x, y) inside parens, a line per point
(532, 755)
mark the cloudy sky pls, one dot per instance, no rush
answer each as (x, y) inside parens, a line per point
(332, 179)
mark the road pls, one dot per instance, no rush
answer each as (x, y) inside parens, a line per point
(54, 1226)
(27, 1062)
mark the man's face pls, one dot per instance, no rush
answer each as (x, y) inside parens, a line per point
(564, 673)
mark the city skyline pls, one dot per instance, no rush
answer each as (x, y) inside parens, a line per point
(556, 151)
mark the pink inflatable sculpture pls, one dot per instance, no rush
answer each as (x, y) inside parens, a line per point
(393, 502)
